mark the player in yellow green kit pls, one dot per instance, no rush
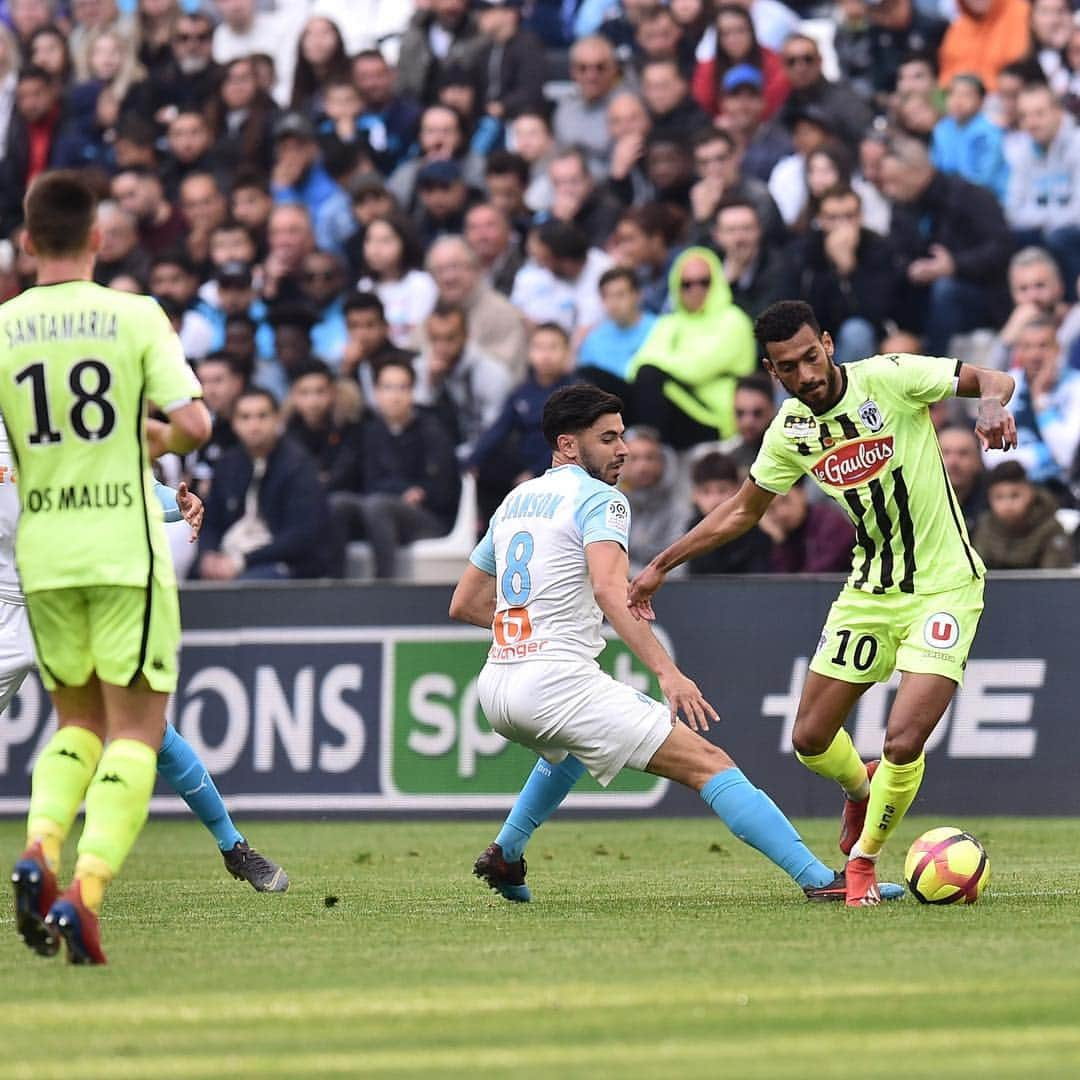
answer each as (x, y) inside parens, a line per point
(863, 433)
(78, 366)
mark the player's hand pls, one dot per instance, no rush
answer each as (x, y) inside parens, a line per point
(157, 438)
(191, 507)
(686, 700)
(995, 426)
(642, 589)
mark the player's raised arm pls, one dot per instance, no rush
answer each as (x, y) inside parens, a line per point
(474, 598)
(729, 520)
(608, 570)
(995, 425)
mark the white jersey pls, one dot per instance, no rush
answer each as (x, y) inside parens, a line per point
(10, 590)
(535, 550)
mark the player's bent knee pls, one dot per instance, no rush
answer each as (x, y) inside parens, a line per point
(903, 747)
(808, 740)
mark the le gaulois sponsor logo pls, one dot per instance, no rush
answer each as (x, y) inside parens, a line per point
(855, 462)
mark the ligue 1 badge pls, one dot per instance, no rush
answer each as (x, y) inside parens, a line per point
(871, 416)
(800, 428)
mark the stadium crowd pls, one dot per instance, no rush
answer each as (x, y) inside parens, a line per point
(386, 231)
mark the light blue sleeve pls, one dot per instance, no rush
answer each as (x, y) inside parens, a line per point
(483, 555)
(167, 497)
(604, 515)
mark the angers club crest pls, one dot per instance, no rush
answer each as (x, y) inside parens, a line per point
(871, 416)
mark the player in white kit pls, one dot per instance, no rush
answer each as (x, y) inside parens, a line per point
(551, 566)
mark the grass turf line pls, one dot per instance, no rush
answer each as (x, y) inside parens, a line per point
(653, 949)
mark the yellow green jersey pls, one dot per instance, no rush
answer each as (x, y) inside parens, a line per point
(78, 364)
(876, 453)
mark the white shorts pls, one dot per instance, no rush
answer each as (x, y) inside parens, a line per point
(16, 650)
(559, 707)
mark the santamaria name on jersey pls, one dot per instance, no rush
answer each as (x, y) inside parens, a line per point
(43, 328)
(541, 504)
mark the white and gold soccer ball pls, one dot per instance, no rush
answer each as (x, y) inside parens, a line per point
(947, 866)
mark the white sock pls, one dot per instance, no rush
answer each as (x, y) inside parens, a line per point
(861, 793)
(858, 853)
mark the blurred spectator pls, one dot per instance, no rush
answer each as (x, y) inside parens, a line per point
(1051, 28)
(388, 120)
(241, 332)
(222, 381)
(876, 210)
(736, 46)
(792, 183)
(442, 199)
(410, 479)
(368, 345)
(1043, 203)
(854, 42)
(323, 418)
(1019, 530)
(758, 274)
(189, 76)
(576, 199)
(203, 208)
(962, 454)
(246, 31)
(808, 538)
(231, 292)
(645, 240)
(514, 60)
(714, 478)
(31, 137)
(48, 50)
(581, 116)
(323, 284)
(442, 138)
(444, 35)
(320, 60)
(289, 240)
(250, 204)
(392, 256)
(189, 143)
(533, 143)
(762, 143)
(619, 24)
(917, 113)
(367, 23)
(755, 408)
(140, 192)
(90, 18)
(464, 388)
(849, 276)
(629, 123)
(489, 235)
(684, 375)
(1003, 105)
(1045, 405)
(292, 324)
(659, 36)
(514, 449)
(173, 278)
(717, 162)
(299, 177)
(1036, 289)
(952, 241)
(666, 94)
(650, 480)
(669, 170)
(120, 252)
(26, 16)
(898, 29)
(266, 514)
(559, 281)
(242, 117)
(966, 142)
(847, 114)
(609, 348)
(984, 37)
(496, 328)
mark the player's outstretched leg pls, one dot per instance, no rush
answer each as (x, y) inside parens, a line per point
(747, 811)
(61, 776)
(502, 864)
(185, 773)
(117, 803)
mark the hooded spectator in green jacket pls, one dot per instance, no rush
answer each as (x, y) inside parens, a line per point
(684, 374)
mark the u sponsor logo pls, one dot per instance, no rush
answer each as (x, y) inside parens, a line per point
(941, 631)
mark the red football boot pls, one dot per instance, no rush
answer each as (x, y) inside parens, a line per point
(851, 821)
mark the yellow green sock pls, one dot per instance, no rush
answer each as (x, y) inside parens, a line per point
(61, 776)
(892, 791)
(117, 803)
(841, 762)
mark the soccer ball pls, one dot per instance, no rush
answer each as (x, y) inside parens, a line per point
(947, 866)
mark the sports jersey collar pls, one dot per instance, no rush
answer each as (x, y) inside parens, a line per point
(843, 393)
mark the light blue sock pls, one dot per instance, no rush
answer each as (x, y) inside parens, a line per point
(187, 776)
(756, 820)
(541, 796)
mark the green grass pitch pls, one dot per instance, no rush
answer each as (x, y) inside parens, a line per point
(652, 949)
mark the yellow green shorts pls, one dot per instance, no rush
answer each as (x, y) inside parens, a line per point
(117, 632)
(866, 638)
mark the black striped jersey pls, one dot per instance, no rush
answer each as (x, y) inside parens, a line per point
(876, 453)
